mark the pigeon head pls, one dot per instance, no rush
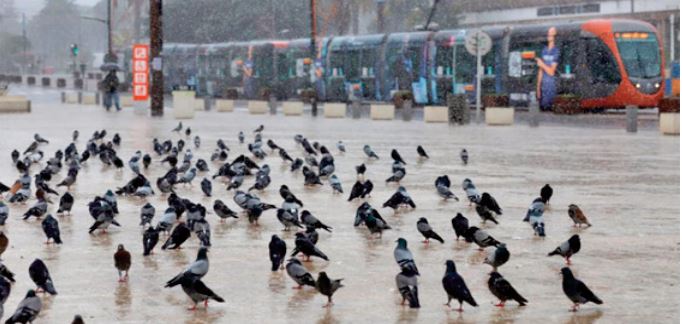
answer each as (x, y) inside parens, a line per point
(120, 247)
(201, 254)
(274, 237)
(323, 275)
(31, 293)
(567, 273)
(450, 267)
(495, 275)
(422, 220)
(300, 235)
(402, 243)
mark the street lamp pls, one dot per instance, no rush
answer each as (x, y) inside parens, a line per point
(110, 57)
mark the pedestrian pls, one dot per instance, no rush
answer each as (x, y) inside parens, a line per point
(110, 88)
(547, 64)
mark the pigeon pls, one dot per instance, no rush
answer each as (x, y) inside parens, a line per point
(567, 248)
(398, 172)
(369, 152)
(147, 214)
(460, 224)
(122, 262)
(116, 140)
(285, 156)
(503, 290)
(259, 129)
(421, 152)
(178, 128)
(464, 155)
(335, 183)
(188, 131)
(399, 199)
(78, 320)
(5, 290)
(455, 287)
(146, 161)
(534, 216)
(375, 224)
(443, 188)
(74, 135)
(150, 238)
(341, 147)
(305, 246)
(27, 310)
(169, 217)
(311, 178)
(312, 234)
(223, 211)
(38, 209)
(364, 211)
(546, 193)
(4, 242)
(198, 292)
(271, 144)
(326, 165)
(404, 257)
(4, 213)
(471, 191)
(41, 277)
(298, 163)
(367, 187)
(309, 220)
(327, 286)
(499, 257)
(485, 214)
(425, 229)
(262, 181)
(288, 218)
(201, 165)
(480, 237)
(299, 273)
(188, 176)
(360, 170)
(40, 139)
(65, 203)
(278, 251)
(51, 229)
(577, 216)
(357, 191)
(179, 235)
(195, 271)
(576, 290)
(5, 273)
(241, 137)
(396, 156)
(206, 187)
(490, 203)
(407, 286)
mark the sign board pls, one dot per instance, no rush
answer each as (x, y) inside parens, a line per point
(478, 42)
(140, 72)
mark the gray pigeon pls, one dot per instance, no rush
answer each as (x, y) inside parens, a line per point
(499, 257)
(567, 248)
(341, 147)
(369, 152)
(195, 271)
(407, 286)
(27, 310)
(299, 274)
(147, 214)
(288, 218)
(206, 187)
(335, 183)
(404, 257)
(4, 213)
(534, 216)
(327, 286)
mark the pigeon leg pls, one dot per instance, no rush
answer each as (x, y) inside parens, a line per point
(426, 241)
(460, 309)
(501, 304)
(568, 260)
(206, 303)
(403, 302)
(574, 308)
(298, 287)
(193, 308)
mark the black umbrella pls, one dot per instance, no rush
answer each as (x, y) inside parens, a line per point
(109, 66)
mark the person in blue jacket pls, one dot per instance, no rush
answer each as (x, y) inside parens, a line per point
(547, 64)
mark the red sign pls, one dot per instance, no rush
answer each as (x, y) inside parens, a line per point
(140, 72)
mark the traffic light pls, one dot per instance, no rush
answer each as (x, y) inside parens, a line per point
(74, 49)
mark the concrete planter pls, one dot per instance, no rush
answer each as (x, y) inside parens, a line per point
(258, 107)
(292, 108)
(436, 114)
(224, 105)
(183, 104)
(90, 98)
(669, 123)
(335, 110)
(382, 112)
(127, 101)
(71, 97)
(499, 116)
(14, 104)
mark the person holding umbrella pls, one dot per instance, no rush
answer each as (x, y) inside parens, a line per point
(110, 87)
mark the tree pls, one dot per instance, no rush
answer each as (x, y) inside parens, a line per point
(52, 30)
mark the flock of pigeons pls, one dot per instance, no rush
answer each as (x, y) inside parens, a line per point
(182, 218)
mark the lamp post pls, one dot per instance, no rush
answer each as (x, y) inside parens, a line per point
(313, 53)
(156, 45)
(110, 57)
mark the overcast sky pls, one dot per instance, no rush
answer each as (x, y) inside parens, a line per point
(31, 7)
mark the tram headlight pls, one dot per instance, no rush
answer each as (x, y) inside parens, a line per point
(657, 85)
(638, 85)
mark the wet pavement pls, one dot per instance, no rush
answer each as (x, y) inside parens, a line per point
(627, 185)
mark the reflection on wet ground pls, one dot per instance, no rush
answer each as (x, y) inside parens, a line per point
(628, 185)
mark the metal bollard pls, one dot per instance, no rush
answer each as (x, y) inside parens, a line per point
(80, 97)
(273, 104)
(356, 109)
(534, 114)
(631, 118)
(63, 97)
(407, 110)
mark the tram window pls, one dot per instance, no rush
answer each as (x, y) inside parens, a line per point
(354, 65)
(545, 11)
(444, 60)
(591, 8)
(601, 63)
(414, 54)
(465, 65)
(570, 51)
